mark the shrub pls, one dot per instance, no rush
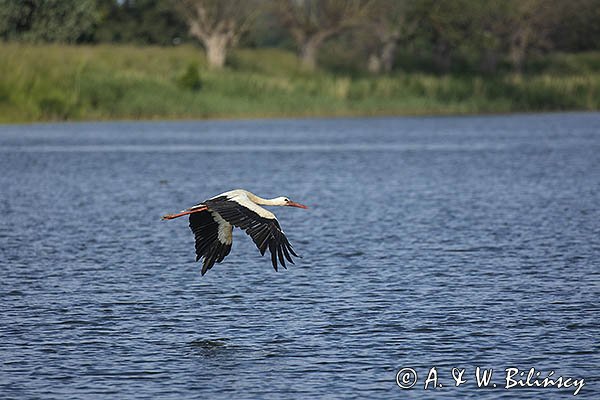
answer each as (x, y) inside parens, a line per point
(190, 79)
(54, 107)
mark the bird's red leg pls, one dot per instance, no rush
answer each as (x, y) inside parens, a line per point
(182, 213)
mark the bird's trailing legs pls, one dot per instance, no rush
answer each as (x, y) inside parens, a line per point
(185, 212)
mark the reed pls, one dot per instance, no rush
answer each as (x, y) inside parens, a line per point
(56, 82)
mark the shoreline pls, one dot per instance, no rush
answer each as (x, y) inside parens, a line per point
(298, 118)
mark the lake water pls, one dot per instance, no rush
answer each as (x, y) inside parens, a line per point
(447, 242)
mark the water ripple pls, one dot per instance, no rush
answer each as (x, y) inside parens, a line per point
(447, 242)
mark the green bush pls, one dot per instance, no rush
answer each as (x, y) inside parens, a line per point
(190, 79)
(4, 93)
(54, 107)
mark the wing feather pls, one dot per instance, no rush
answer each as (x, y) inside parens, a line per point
(212, 236)
(264, 231)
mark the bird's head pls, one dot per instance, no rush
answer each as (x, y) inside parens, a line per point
(284, 201)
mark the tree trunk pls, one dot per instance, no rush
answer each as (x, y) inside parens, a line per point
(517, 56)
(518, 48)
(216, 50)
(383, 59)
(374, 63)
(308, 53)
(388, 55)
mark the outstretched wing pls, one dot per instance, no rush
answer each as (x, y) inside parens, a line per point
(213, 237)
(264, 230)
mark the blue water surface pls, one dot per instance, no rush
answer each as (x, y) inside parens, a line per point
(447, 242)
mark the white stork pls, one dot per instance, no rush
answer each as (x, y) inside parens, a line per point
(212, 222)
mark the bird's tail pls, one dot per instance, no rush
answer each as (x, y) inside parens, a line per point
(184, 212)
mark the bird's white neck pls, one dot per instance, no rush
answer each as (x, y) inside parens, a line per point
(277, 201)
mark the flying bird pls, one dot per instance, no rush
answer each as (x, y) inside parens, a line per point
(212, 223)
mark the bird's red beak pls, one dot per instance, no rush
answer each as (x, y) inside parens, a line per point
(294, 204)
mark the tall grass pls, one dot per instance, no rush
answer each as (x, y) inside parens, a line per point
(54, 82)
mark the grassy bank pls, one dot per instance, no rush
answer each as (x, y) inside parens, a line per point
(40, 83)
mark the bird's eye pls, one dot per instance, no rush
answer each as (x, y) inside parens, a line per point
(288, 200)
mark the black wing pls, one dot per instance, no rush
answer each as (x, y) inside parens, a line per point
(265, 232)
(208, 245)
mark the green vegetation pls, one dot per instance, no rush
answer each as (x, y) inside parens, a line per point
(60, 82)
(37, 21)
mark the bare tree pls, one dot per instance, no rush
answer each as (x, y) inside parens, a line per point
(312, 22)
(389, 24)
(217, 24)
